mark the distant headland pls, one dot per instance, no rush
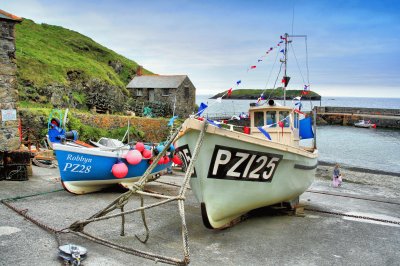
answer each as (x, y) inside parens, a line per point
(248, 94)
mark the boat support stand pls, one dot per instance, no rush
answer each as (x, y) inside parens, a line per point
(138, 188)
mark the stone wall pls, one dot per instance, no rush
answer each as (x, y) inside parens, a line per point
(347, 116)
(9, 138)
(155, 130)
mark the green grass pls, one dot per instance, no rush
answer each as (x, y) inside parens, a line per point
(277, 93)
(45, 54)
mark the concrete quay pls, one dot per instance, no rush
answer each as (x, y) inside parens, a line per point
(266, 237)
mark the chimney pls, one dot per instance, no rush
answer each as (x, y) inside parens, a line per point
(139, 70)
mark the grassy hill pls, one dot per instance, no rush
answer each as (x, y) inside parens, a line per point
(49, 54)
(274, 94)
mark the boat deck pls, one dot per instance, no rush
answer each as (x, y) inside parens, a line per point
(266, 237)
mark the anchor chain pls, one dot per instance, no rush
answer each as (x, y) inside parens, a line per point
(354, 216)
(49, 229)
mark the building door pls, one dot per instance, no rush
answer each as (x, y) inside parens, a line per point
(151, 95)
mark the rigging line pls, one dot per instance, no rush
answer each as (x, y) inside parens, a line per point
(297, 63)
(270, 73)
(308, 72)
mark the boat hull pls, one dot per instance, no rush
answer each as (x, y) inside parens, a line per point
(84, 170)
(235, 173)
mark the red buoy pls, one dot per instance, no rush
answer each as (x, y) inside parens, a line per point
(139, 146)
(147, 154)
(134, 157)
(176, 160)
(119, 169)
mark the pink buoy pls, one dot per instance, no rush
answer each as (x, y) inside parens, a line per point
(119, 169)
(147, 154)
(161, 161)
(139, 146)
(177, 160)
(166, 159)
(134, 157)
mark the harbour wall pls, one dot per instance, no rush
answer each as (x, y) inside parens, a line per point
(347, 116)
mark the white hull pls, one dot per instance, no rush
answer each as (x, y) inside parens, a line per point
(268, 173)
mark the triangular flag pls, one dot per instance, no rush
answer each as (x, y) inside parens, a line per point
(253, 67)
(202, 107)
(230, 91)
(238, 82)
(265, 133)
(219, 100)
(213, 123)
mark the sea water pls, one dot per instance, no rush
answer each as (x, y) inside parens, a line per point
(376, 149)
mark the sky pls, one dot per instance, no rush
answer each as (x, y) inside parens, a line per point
(353, 47)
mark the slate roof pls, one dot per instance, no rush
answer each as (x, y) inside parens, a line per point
(8, 16)
(156, 81)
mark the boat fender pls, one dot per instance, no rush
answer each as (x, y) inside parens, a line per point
(146, 154)
(161, 161)
(133, 157)
(160, 148)
(119, 169)
(139, 146)
(176, 160)
(166, 159)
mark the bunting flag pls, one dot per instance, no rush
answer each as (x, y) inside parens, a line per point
(283, 38)
(238, 82)
(299, 104)
(281, 125)
(253, 67)
(171, 121)
(202, 107)
(282, 51)
(265, 133)
(213, 123)
(219, 100)
(259, 60)
(299, 112)
(230, 90)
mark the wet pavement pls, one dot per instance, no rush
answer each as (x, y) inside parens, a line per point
(267, 237)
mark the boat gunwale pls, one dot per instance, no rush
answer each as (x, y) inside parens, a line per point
(194, 124)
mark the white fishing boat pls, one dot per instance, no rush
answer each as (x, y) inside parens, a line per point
(236, 172)
(364, 124)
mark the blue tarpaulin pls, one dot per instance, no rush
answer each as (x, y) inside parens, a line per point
(306, 131)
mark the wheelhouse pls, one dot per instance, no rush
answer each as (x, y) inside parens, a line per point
(280, 123)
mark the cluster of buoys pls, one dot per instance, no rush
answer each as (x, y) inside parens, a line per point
(136, 154)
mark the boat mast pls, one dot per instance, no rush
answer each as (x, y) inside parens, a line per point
(285, 66)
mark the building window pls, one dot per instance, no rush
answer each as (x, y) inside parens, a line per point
(165, 92)
(139, 92)
(187, 92)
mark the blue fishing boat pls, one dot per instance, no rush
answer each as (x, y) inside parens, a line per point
(84, 170)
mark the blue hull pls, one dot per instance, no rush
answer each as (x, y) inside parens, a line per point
(88, 167)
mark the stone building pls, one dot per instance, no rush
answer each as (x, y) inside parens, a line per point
(176, 89)
(9, 137)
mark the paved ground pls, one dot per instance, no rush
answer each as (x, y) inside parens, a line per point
(265, 238)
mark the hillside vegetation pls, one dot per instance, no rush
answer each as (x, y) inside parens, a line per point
(274, 94)
(49, 54)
